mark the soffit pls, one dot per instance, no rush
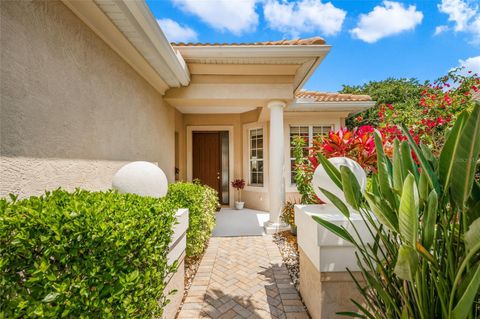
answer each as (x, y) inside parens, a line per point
(135, 21)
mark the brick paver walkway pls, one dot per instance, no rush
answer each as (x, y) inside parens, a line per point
(242, 277)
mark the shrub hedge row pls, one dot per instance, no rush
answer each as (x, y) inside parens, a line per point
(95, 254)
(84, 254)
(202, 202)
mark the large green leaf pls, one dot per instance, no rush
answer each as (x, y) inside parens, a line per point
(472, 236)
(430, 219)
(473, 204)
(465, 304)
(408, 165)
(465, 158)
(424, 164)
(407, 263)
(383, 212)
(398, 170)
(445, 163)
(428, 155)
(337, 230)
(351, 188)
(337, 202)
(408, 211)
(331, 170)
(384, 179)
(423, 187)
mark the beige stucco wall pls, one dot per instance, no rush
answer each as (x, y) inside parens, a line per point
(72, 111)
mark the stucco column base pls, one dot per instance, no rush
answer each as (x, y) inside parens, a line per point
(272, 227)
(326, 293)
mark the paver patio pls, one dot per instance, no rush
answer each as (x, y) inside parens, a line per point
(242, 277)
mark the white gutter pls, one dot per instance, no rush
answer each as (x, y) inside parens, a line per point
(149, 25)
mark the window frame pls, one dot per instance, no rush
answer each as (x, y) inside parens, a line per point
(246, 157)
(289, 180)
(249, 156)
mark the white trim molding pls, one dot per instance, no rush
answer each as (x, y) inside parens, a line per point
(206, 128)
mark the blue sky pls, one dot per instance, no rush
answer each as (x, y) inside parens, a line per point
(371, 40)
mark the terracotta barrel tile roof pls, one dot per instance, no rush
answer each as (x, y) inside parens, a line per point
(309, 41)
(331, 97)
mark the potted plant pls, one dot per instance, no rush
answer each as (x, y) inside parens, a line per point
(239, 184)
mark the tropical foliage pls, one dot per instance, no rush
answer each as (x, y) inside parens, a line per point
(399, 92)
(428, 110)
(424, 261)
(84, 255)
(288, 214)
(202, 203)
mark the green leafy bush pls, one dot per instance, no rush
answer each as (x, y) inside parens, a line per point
(202, 203)
(85, 255)
(425, 221)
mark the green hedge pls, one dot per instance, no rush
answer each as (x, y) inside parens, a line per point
(85, 255)
(202, 202)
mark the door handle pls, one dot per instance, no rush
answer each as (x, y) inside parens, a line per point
(218, 175)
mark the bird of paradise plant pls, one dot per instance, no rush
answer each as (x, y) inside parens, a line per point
(425, 221)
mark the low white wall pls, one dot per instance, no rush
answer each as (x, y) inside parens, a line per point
(327, 251)
(325, 285)
(177, 253)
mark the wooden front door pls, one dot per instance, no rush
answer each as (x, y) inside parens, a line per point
(207, 160)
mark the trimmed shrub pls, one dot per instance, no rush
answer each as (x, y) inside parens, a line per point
(202, 203)
(85, 255)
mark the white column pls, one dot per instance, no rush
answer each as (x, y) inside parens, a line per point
(276, 167)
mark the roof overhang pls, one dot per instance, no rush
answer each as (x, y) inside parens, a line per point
(129, 28)
(306, 57)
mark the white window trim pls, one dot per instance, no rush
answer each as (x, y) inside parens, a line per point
(335, 122)
(246, 160)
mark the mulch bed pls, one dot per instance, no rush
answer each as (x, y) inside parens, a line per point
(287, 243)
(191, 267)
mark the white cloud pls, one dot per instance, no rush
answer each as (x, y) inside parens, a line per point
(464, 14)
(176, 32)
(470, 64)
(385, 20)
(236, 16)
(441, 29)
(458, 12)
(303, 16)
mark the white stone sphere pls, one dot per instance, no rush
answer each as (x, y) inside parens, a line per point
(141, 178)
(321, 178)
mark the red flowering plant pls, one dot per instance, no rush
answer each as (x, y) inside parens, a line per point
(432, 116)
(239, 184)
(428, 119)
(357, 144)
